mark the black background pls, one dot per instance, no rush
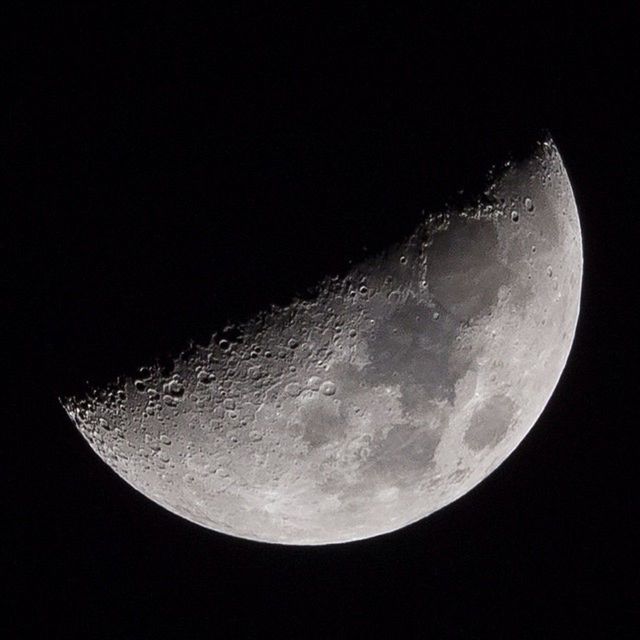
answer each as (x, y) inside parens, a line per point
(167, 169)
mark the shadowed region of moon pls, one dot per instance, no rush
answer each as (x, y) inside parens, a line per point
(384, 396)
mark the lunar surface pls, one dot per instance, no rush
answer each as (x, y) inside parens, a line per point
(384, 396)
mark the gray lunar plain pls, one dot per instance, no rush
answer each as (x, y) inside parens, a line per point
(383, 397)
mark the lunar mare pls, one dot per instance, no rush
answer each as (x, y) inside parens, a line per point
(376, 401)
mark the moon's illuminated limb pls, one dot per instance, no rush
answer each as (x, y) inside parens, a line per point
(388, 395)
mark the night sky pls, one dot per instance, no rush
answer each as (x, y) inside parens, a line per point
(167, 170)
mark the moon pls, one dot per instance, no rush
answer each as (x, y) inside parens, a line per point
(382, 397)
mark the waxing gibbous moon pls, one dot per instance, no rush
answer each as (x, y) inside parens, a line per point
(384, 396)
